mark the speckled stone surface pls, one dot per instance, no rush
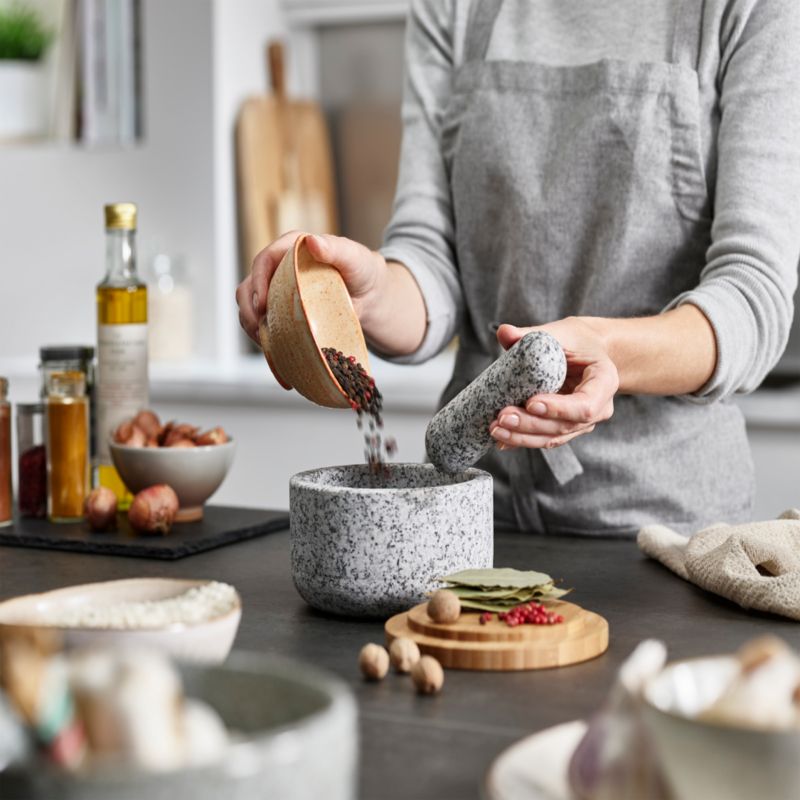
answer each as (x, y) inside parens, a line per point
(459, 434)
(371, 547)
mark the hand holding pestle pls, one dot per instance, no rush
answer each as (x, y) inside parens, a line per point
(459, 434)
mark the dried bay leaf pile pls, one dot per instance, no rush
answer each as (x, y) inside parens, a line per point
(501, 589)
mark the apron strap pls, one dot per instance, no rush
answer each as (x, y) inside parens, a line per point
(687, 33)
(480, 25)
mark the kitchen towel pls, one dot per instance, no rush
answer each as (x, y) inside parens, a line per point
(757, 564)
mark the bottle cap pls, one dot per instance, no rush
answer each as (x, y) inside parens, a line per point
(30, 408)
(121, 216)
(77, 352)
(3, 388)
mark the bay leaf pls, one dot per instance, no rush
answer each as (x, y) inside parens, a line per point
(487, 605)
(498, 578)
(471, 591)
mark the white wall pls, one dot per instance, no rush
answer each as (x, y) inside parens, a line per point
(241, 31)
(52, 195)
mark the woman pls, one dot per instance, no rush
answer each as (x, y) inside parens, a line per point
(624, 174)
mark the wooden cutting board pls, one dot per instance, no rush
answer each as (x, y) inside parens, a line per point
(466, 644)
(285, 174)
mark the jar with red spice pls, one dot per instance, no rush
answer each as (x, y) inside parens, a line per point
(32, 463)
(6, 515)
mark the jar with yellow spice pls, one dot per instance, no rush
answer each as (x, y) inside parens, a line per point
(68, 461)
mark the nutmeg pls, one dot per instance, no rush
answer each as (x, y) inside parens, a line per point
(373, 661)
(428, 675)
(444, 607)
(403, 653)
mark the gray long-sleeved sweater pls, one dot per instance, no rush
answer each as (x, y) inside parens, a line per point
(749, 83)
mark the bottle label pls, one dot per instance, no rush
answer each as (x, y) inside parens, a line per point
(122, 387)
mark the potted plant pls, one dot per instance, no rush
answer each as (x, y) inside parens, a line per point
(24, 38)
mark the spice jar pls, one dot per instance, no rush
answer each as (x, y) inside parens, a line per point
(5, 456)
(67, 443)
(32, 464)
(71, 358)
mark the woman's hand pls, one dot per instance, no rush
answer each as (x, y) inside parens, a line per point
(363, 271)
(587, 397)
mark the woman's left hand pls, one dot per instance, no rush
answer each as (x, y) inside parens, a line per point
(586, 398)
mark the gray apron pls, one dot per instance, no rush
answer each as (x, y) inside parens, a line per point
(581, 191)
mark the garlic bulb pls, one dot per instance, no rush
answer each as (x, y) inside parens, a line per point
(615, 760)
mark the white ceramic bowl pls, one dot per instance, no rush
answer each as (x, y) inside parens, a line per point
(206, 642)
(705, 761)
(294, 737)
(195, 473)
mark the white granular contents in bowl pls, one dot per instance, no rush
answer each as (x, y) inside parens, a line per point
(198, 604)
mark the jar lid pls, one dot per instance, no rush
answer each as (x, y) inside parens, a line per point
(68, 352)
(30, 408)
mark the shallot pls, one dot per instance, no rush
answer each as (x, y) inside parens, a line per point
(214, 436)
(153, 509)
(149, 422)
(130, 434)
(146, 430)
(101, 509)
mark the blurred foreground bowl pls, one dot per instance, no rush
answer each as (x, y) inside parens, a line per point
(294, 738)
(707, 761)
(195, 473)
(207, 642)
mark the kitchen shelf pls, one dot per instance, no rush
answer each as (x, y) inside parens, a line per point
(327, 12)
(247, 381)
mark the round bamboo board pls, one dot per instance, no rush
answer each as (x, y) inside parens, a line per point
(466, 644)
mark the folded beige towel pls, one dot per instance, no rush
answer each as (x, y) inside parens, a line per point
(757, 565)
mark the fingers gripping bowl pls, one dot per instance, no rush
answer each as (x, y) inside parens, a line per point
(309, 309)
(371, 546)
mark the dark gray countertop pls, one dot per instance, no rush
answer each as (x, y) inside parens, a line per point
(440, 747)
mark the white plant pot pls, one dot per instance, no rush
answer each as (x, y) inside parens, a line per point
(23, 107)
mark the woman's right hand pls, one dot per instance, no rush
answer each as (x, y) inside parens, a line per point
(363, 270)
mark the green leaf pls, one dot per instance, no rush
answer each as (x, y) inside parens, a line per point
(498, 578)
(470, 591)
(488, 605)
(497, 606)
(23, 33)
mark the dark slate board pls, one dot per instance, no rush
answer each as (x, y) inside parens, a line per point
(220, 526)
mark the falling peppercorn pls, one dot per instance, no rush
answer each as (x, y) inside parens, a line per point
(365, 399)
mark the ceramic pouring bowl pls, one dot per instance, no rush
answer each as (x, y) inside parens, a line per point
(714, 761)
(309, 308)
(371, 547)
(294, 737)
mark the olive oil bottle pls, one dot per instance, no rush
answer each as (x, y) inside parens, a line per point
(122, 382)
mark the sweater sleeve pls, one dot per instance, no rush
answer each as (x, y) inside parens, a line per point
(420, 234)
(747, 285)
